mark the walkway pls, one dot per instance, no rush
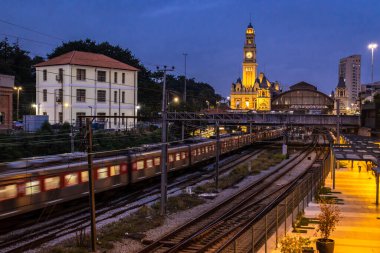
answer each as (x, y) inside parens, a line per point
(359, 229)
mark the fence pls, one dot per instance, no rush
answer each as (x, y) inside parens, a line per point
(284, 210)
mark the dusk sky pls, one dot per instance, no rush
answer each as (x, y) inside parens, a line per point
(296, 40)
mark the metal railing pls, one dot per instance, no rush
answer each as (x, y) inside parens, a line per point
(266, 118)
(282, 210)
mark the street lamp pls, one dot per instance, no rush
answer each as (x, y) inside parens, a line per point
(372, 47)
(176, 100)
(18, 98)
(208, 104)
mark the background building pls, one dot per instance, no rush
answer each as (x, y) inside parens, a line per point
(341, 96)
(303, 98)
(252, 92)
(6, 101)
(81, 84)
(349, 69)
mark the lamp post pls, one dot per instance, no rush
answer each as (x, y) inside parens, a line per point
(372, 47)
(18, 99)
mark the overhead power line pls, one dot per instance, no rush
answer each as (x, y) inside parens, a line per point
(31, 30)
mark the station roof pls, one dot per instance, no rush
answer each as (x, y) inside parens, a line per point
(358, 148)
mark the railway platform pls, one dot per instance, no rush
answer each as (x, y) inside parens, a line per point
(359, 228)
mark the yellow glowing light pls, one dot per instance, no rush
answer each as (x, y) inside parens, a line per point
(176, 100)
(66, 105)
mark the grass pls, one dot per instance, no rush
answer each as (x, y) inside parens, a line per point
(261, 163)
(144, 219)
(181, 202)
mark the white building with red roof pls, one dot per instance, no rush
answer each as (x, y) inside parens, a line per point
(82, 84)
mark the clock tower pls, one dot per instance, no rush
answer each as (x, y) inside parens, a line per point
(249, 58)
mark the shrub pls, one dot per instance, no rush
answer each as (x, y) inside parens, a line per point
(328, 218)
(293, 244)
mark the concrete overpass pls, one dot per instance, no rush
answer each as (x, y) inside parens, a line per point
(351, 121)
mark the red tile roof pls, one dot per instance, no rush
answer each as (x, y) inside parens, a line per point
(86, 59)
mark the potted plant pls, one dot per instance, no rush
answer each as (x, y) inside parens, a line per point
(294, 244)
(328, 219)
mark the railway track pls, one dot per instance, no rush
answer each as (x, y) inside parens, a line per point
(211, 229)
(19, 241)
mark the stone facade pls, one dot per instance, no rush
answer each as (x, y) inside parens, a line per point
(253, 92)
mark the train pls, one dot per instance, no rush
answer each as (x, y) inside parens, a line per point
(26, 188)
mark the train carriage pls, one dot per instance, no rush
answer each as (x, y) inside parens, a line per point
(30, 188)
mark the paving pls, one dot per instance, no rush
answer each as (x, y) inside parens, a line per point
(359, 228)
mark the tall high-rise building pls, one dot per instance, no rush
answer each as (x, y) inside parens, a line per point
(349, 69)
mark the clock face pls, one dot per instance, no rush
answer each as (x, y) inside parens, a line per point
(248, 55)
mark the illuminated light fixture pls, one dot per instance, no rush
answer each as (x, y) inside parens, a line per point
(247, 103)
(372, 47)
(66, 105)
(138, 107)
(34, 105)
(176, 100)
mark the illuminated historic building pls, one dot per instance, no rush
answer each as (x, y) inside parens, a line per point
(341, 97)
(252, 92)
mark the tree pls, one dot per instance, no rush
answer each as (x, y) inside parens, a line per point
(17, 62)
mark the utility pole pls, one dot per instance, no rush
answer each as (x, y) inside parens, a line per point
(164, 140)
(184, 97)
(337, 136)
(18, 100)
(72, 137)
(91, 183)
(217, 155)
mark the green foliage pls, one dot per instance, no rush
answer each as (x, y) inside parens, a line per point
(17, 62)
(263, 162)
(49, 142)
(46, 128)
(181, 202)
(141, 221)
(328, 218)
(293, 244)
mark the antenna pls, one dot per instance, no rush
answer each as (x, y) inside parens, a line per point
(250, 17)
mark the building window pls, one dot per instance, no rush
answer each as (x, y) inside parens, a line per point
(123, 77)
(44, 75)
(123, 97)
(2, 115)
(101, 114)
(60, 117)
(80, 114)
(44, 95)
(60, 76)
(115, 77)
(115, 119)
(115, 96)
(81, 74)
(122, 119)
(59, 96)
(81, 95)
(101, 96)
(101, 76)
(44, 113)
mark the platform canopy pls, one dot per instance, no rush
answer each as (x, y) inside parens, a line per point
(358, 148)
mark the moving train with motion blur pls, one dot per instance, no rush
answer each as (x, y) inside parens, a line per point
(43, 182)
